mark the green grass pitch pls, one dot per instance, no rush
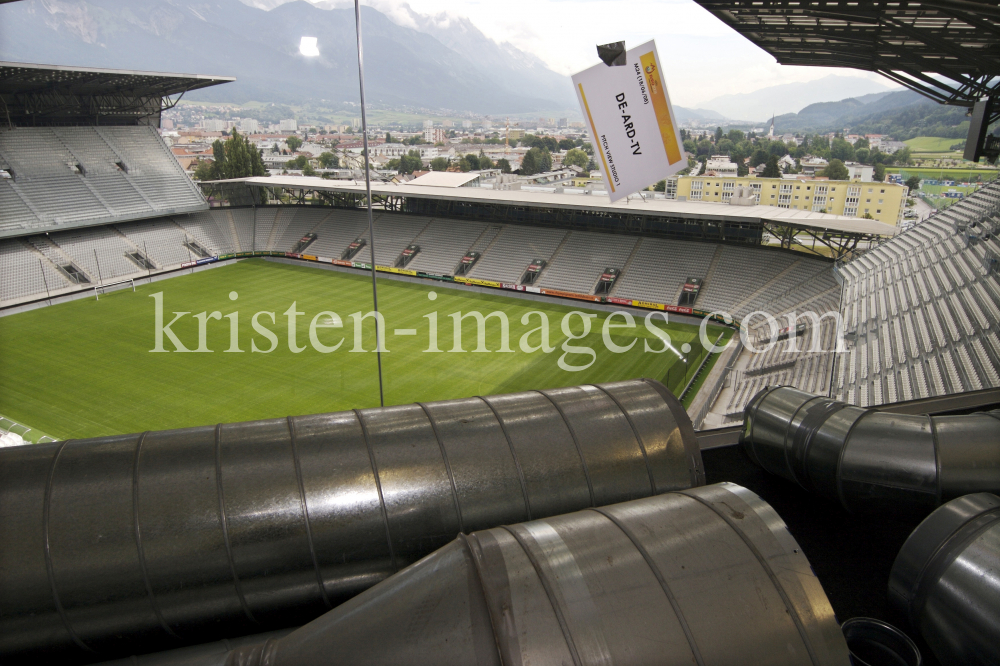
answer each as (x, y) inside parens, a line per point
(85, 369)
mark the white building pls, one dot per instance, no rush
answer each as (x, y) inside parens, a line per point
(213, 125)
(786, 162)
(249, 126)
(289, 125)
(720, 165)
(861, 172)
(812, 165)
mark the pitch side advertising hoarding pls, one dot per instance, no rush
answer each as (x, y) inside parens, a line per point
(628, 112)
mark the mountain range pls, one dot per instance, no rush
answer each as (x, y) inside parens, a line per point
(442, 65)
(762, 104)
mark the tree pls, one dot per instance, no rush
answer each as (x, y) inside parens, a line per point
(203, 170)
(759, 157)
(307, 169)
(529, 163)
(771, 168)
(862, 155)
(388, 138)
(236, 158)
(902, 156)
(661, 186)
(328, 160)
(567, 144)
(841, 150)
(293, 142)
(835, 170)
(439, 164)
(576, 157)
(718, 134)
(485, 162)
(504, 165)
(704, 167)
(879, 173)
(410, 162)
(913, 182)
(735, 135)
(587, 148)
(275, 149)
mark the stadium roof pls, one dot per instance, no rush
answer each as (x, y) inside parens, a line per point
(948, 50)
(594, 202)
(444, 179)
(59, 95)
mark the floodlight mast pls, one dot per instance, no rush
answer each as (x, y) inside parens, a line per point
(379, 334)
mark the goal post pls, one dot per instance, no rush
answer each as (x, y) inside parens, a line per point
(98, 289)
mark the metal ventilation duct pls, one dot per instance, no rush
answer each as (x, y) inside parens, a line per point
(138, 542)
(703, 576)
(869, 460)
(946, 580)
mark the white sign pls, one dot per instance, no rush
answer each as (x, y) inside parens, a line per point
(628, 111)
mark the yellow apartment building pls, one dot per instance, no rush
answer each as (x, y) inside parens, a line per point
(885, 202)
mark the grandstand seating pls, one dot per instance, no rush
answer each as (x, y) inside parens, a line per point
(923, 310)
(66, 176)
(591, 253)
(337, 231)
(392, 234)
(507, 257)
(659, 268)
(443, 244)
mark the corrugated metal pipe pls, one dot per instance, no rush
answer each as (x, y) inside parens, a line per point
(138, 542)
(704, 576)
(870, 460)
(946, 581)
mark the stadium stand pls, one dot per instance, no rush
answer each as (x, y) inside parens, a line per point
(75, 176)
(206, 229)
(922, 310)
(443, 244)
(393, 233)
(337, 231)
(591, 253)
(507, 257)
(659, 268)
(161, 240)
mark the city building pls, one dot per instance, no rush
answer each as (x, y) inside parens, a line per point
(861, 172)
(720, 165)
(214, 125)
(249, 126)
(434, 134)
(289, 125)
(885, 202)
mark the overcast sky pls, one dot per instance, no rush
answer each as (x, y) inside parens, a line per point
(706, 57)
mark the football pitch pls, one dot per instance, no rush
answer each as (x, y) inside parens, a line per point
(87, 368)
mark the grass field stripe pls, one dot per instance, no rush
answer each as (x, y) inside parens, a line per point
(635, 431)
(513, 454)
(224, 520)
(49, 568)
(593, 129)
(447, 466)
(305, 511)
(378, 480)
(576, 442)
(138, 536)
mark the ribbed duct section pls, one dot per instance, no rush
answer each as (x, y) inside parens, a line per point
(869, 460)
(138, 542)
(705, 576)
(946, 580)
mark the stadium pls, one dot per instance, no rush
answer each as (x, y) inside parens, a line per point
(531, 355)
